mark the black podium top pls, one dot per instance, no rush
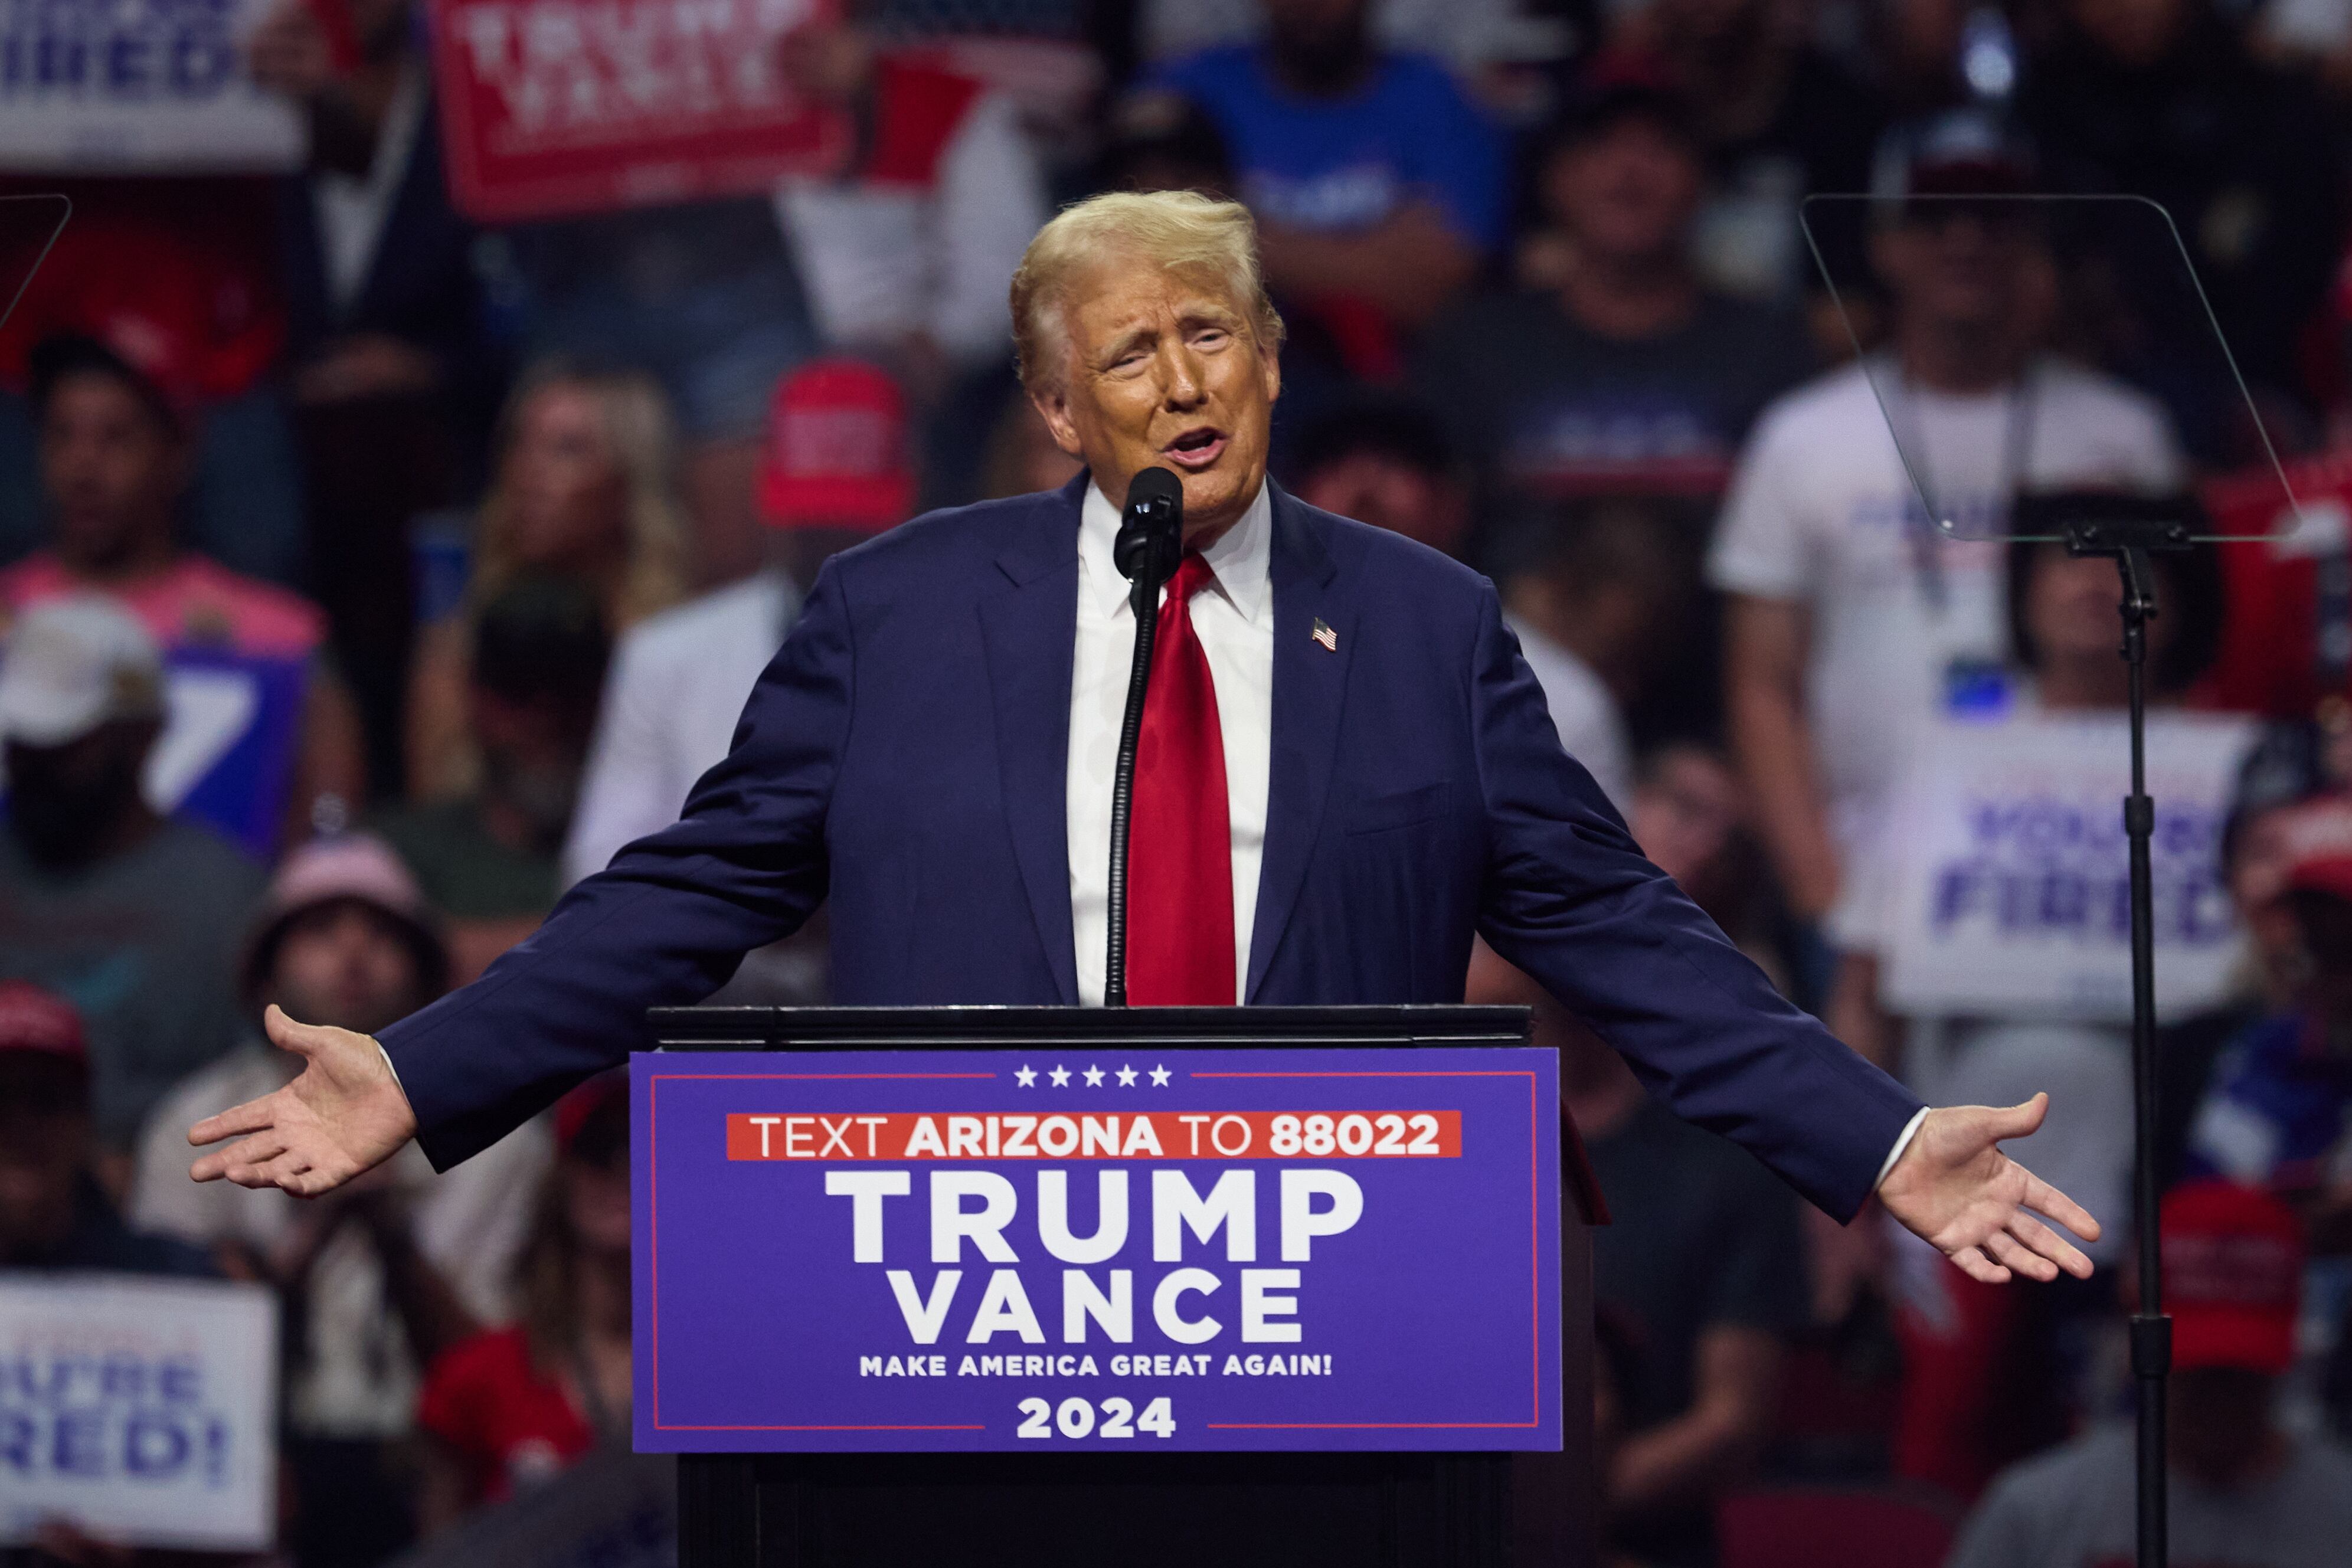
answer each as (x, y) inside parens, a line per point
(915, 1028)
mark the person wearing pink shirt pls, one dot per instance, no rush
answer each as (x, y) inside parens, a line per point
(266, 730)
(191, 599)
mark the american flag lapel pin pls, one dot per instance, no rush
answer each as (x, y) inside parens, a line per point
(1327, 638)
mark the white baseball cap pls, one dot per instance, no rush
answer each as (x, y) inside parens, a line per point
(74, 664)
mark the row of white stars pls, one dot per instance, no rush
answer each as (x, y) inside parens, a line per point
(1060, 1077)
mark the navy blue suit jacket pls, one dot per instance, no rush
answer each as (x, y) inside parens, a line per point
(903, 758)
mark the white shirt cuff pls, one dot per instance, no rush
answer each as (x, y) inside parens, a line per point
(1910, 1131)
(388, 1066)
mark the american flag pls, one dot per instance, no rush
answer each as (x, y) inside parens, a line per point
(1326, 637)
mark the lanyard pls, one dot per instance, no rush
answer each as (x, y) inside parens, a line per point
(1921, 535)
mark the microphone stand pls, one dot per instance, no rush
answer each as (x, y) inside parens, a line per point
(1150, 543)
(2131, 530)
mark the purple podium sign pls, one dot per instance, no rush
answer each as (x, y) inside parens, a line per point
(1027, 1250)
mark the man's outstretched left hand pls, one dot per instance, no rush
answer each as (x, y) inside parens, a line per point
(1953, 1188)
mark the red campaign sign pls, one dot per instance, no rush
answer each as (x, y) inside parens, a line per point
(551, 108)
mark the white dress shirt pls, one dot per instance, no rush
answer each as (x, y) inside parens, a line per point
(1234, 622)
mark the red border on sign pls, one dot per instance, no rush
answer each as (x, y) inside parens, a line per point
(1535, 1252)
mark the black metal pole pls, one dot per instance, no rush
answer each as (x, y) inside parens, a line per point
(1143, 597)
(1149, 545)
(2151, 1331)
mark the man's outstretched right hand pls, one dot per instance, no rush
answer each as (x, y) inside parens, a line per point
(343, 1115)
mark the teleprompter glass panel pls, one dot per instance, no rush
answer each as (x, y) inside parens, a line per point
(2037, 360)
(29, 225)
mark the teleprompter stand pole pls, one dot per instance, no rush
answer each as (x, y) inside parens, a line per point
(2132, 539)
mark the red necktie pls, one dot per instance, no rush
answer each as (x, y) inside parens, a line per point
(1180, 865)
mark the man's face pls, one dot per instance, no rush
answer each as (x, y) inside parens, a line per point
(45, 1139)
(1164, 371)
(66, 802)
(344, 964)
(1970, 268)
(1687, 812)
(1626, 194)
(1390, 492)
(1316, 30)
(533, 753)
(111, 470)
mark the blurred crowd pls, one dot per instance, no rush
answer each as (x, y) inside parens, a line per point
(370, 576)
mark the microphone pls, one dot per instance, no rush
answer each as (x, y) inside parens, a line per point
(1151, 529)
(1151, 544)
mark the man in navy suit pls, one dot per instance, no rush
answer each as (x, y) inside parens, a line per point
(1346, 771)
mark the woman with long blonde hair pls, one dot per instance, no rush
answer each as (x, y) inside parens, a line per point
(585, 489)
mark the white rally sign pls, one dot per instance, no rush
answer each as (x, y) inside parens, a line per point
(141, 1410)
(122, 86)
(2009, 890)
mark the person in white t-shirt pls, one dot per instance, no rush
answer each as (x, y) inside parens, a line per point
(1851, 617)
(837, 470)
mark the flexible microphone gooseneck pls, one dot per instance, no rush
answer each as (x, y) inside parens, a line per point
(1151, 544)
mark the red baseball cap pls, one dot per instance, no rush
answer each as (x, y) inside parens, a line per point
(2317, 837)
(2233, 1276)
(837, 452)
(34, 1020)
(180, 315)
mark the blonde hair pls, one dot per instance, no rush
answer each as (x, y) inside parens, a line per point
(643, 442)
(1182, 232)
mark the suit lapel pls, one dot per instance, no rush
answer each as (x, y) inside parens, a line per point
(1030, 630)
(1309, 682)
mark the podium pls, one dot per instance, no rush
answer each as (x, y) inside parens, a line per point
(1142, 1509)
